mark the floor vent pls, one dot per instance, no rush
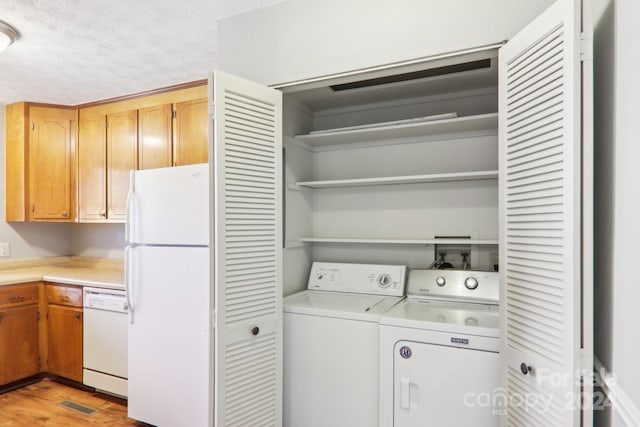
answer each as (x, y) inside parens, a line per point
(85, 410)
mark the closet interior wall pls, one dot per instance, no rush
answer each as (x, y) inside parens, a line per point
(406, 211)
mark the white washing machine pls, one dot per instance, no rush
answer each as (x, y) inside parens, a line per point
(331, 342)
(439, 362)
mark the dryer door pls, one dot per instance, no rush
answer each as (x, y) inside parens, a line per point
(438, 385)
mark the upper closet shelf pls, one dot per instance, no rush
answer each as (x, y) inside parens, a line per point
(411, 179)
(398, 131)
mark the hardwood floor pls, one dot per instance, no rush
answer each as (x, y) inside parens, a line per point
(39, 404)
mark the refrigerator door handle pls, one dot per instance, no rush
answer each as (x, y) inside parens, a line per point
(127, 280)
(129, 207)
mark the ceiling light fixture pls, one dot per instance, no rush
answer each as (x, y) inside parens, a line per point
(7, 36)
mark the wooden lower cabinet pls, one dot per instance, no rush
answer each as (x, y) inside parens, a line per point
(31, 342)
(64, 331)
(19, 331)
(19, 351)
(65, 342)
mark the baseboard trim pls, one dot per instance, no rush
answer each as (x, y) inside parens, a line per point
(620, 401)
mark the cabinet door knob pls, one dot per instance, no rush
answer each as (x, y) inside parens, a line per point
(525, 369)
(255, 330)
(78, 315)
(64, 214)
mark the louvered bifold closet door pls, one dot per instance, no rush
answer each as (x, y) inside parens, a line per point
(540, 220)
(247, 159)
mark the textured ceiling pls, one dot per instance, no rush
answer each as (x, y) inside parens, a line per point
(77, 51)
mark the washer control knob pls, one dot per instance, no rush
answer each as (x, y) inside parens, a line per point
(384, 280)
(440, 281)
(471, 283)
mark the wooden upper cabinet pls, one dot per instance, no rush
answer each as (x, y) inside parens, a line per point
(51, 168)
(122, 149)
(107, 151)
(65, 165)
(50, 164)
(92, 145)
(17, 161)
(154, 137)
(191, 132)
(40, 165)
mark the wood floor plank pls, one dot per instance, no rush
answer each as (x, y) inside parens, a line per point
(39, 405)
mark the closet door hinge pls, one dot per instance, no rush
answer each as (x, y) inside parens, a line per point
(586, 47)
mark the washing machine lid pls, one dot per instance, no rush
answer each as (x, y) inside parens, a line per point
(339, 305)
(456, 317)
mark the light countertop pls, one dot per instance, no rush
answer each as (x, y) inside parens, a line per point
(97, 273)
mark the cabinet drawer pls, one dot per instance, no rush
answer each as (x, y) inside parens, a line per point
(64, 295)
(16, 295)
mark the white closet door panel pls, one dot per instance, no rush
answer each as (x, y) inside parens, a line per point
(540, 153)
(247, 245)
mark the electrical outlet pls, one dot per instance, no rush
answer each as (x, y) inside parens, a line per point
(4, 249)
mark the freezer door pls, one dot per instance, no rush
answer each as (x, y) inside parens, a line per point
(169, 336)
(169, 206)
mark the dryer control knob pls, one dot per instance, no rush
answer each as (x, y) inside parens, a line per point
(440, 281)
(471, 283)
(384, 280)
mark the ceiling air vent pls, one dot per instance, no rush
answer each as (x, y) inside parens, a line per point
(415, 75)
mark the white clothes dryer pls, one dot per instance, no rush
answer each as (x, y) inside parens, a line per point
(331, 342)
(439, 361)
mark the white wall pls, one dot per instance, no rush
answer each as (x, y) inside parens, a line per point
(98, 240)
(300, 39)
(617, 106)
(33, 239)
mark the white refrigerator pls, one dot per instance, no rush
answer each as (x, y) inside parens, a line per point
(170, 298)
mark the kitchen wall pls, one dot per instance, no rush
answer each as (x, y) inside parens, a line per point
(33, 239)
(617, 176)
(98, 240)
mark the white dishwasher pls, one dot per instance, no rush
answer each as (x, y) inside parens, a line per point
(105, 340)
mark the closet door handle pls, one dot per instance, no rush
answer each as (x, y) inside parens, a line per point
(525, 369)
